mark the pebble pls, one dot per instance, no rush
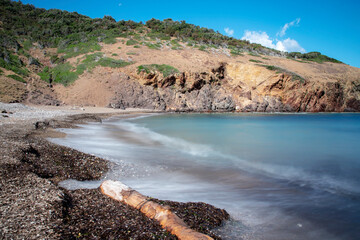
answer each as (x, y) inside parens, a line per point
(21, 112)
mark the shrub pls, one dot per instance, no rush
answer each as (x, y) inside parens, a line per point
(137, 37)
(136, 46)
(236, 52)
(166, 70)
(255, 61)
(113, 63)
(272, 68)
(74, 50)
(17, 78)
(62, 73)
(202, 48)
(313, 56)
(253, 54)
(13, 63)
(281, 70)
(110, 40)
(81, 68)
(27, 45)
(176, 48)
(114, 54)
(131, 42)
(156, 46)
(55, 59)
(97, 59)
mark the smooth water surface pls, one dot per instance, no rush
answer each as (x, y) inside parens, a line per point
(280, 176)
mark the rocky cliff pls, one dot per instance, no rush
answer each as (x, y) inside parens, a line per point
(181, 92)
(232, 87)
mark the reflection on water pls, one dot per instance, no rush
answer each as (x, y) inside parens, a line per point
(279, 176)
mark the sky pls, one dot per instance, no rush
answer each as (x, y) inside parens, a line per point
(330, 27)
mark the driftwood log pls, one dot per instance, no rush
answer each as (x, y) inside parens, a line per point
(167, 219)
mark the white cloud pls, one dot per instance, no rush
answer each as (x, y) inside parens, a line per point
(286, 27)
(287, 45)
(258, 37)
(229, 31)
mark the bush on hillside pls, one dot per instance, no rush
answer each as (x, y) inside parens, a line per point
(166, 70)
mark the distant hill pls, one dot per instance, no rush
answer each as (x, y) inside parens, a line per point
(58, 57)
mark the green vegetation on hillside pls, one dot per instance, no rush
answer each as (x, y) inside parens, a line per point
(74, 50)
(12, 62)
(24, 27)
(97, 59)
(166, 70)
(236, 52)
(255, 61)
(312, 56)
(278, 70)
(156, 46)
(66, 74)
(62, 73)
(17, 78)
(131, 42)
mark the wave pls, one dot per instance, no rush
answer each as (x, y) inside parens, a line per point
(134, 117)
(194, 149)
(303, 178)
(290, 174)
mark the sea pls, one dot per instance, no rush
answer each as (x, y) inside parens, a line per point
(280, 176)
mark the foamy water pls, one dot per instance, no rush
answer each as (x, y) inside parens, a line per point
(279, 176)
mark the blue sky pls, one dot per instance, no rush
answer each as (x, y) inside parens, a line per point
(330, 27)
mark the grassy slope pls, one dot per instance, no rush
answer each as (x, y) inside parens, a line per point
(69, 46)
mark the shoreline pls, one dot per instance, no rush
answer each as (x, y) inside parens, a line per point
(35, 206)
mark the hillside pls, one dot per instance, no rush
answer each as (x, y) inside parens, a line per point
(165, 65)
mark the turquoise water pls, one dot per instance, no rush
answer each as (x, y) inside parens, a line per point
(280, 176)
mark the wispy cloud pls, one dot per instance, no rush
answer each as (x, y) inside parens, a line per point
(229, 31)
(287, 45)
(287, 26)
(120, 4)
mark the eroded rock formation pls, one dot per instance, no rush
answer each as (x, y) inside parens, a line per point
(180, 92)
(235, 87)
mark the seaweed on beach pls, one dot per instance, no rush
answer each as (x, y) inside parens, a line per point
(57, 163)
(199, 216)
(88, 214)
